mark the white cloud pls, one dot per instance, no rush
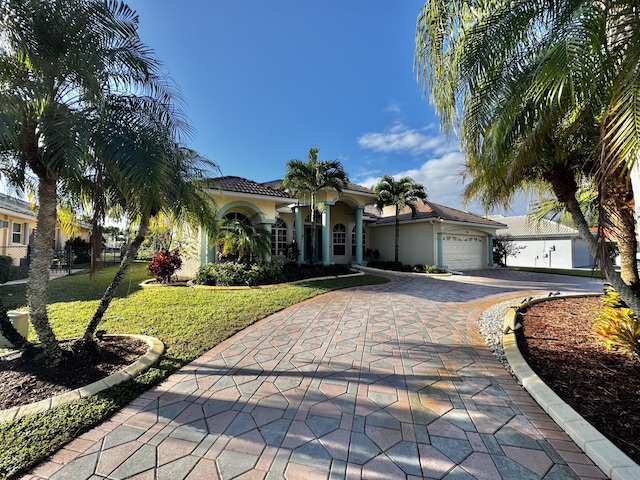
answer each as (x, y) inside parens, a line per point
(402, 139)
(440, 173)
(441, 178)
(442, 181)
(394, 108)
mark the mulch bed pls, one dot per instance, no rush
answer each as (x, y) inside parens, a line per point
(24, 381)
(603, 386)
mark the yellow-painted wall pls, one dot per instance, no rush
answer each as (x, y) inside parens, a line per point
(415, 245)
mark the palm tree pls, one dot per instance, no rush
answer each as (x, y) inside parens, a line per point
(401, 193)
(242, 238)
(61, 63)
(521, 76)
(309, 178)
(175, 187)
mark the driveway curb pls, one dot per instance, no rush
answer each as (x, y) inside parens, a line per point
(609, 458)
(156, 348)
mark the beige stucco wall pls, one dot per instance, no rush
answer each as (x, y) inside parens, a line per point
(7, 247)
(416, 245)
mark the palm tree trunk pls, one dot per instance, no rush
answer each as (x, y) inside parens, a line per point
(132, 251)
(565, 188)
(619, 199)
(313, 227)
(397, 236)
(38, 285)
(627, 246)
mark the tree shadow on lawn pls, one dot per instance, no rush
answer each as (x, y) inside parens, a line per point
(78, 287)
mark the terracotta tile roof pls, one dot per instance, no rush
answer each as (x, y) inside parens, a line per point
(243, 185)
(431, 210)
(276, 184)
(358, 188)
(521, 226)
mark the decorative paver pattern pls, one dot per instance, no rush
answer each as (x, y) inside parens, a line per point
(384, 382)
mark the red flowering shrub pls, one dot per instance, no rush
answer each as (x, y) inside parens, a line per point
(164, 264)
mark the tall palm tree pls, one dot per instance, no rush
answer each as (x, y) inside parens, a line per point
(60, 61)
(516, 76)
(401, 193)
(309, 178)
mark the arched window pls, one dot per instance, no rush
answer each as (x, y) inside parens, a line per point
(318, 217)
(353, 241)
(279, 238)
(339, 239)
(240, 217)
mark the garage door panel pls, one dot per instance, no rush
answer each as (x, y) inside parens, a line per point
(463, 252)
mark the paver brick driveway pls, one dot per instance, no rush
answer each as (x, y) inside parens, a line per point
(384, 382)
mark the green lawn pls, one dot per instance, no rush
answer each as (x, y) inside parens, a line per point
(189, 321)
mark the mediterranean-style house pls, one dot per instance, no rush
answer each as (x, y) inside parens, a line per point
(349, 229)
(17, 227)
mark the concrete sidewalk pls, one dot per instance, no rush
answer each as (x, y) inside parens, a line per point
(52, 276)
(384, 382)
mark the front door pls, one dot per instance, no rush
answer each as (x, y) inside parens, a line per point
(317, 253)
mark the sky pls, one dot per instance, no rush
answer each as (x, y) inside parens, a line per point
(265, 81)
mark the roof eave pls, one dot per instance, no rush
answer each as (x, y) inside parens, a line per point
(256, 196)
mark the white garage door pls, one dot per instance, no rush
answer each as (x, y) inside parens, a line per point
(463, 252)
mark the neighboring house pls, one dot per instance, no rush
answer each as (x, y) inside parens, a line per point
(348, 225)
(17, 224)
(437, 235)
(17, 228)
(545, 244)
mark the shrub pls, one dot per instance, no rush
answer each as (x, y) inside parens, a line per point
(617, 326)
(81, 250)
(433, 269)
(235, 274)
(18, 272)
(164, 265)
(611, 298)
(5, 267)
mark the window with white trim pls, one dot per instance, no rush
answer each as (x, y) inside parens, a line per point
(279, 238)
(339, 239)
(17, 233)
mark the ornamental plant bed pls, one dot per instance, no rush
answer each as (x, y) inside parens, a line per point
(26, 380)
(601, 385)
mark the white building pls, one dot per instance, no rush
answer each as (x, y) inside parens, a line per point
(545, 244)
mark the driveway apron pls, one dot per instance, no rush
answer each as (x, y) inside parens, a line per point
(383, 382)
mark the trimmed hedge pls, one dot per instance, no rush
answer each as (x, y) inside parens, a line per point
(237, 274)
(5, 268)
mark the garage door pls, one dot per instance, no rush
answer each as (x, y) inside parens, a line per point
(463, 252)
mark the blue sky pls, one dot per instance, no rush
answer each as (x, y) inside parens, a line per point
(265, 81)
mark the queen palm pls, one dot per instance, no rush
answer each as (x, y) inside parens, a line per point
(59, 62)
(520, 75)
(309, 178)
(401, 193)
